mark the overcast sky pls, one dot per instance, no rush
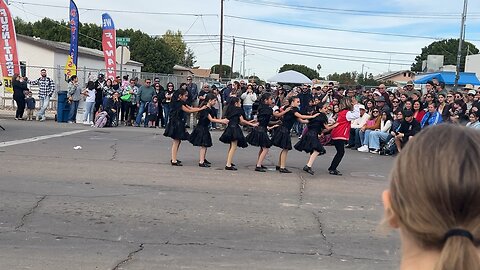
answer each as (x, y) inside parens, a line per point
(275, 21)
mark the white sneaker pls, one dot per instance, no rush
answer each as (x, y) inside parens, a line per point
(86, 123)
(363, 149)
(90, 123)
(374, 151)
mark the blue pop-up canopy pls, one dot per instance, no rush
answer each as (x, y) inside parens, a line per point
(448, 77)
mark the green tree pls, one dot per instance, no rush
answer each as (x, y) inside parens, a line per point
(448, 48)
(215, 69)
(183, 55)
(348, 78)
(155, 53)
(310, 73)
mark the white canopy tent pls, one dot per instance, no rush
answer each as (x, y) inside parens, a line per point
(290, 76)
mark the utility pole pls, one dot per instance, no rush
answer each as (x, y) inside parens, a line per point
(220, 70)
(460, 44)
(233, 58)
(244, 55)
(363, 65)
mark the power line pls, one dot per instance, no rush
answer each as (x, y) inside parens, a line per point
(119, 11)
(322, 57)
(327, 47)
(309, 52)
(337, 29)
(383, 13)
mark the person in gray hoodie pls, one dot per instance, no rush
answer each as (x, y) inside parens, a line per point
(74, 95)
(144, 95)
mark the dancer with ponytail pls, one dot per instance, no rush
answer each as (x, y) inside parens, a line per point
(175, 128)
(259, 135)
(201, 134)
(233, 134)
(310, 142)
(434, 200)
(341, 133)
(281, 136)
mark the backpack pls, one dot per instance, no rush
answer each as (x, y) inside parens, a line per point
(390, 148)
(101, 120)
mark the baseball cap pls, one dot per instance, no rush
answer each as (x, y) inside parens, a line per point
(361, 107)
(472, 92)
(408, 113)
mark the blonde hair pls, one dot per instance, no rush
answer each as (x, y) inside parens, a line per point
(345, 104)
(436, 188)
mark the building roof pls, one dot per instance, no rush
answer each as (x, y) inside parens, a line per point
(63, 46)
(181, 68)
(201, 72)
(388, 75)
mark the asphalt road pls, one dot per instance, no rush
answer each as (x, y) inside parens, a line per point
(118, 204)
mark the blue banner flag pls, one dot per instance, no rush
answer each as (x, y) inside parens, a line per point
(71, 66)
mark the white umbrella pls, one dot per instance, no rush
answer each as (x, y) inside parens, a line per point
(290, 76)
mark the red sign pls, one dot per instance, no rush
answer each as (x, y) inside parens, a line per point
(8, 43)
(109, 45)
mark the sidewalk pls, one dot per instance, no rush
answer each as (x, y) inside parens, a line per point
(8, 113)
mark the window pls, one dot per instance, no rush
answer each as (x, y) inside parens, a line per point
(23, 68)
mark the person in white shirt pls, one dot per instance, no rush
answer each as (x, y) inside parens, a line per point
(249, 97)
(377, 136)
(357, 124)
(89, 93)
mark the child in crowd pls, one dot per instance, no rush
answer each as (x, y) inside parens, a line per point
(89, 94)
(30, 101)
(152, 112)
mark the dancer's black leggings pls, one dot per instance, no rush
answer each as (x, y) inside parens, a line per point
(340, 147)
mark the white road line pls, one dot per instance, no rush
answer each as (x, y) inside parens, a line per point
(40, 138)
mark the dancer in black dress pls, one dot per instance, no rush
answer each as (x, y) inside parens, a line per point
(281, 136)
(310, 142)
(233, 134)
(201, 134)
(176, 125)
(259, 135)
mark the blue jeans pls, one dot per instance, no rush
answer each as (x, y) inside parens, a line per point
(72, 116)
(376, 137)
(364, 136)
(166, 112)
(248, 111)
(87, 116)
(141, 110)
(43, 106)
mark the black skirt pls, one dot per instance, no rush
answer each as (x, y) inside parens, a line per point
(281, 138)
(201, 137)
(176, 130)
(234, 133)
(259, 137)
(309, 143)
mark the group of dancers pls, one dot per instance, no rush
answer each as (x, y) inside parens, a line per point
(280, 122)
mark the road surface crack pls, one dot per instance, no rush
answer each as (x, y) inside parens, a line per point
(322, 232)
(115, 151)
(29, 213)
(129, 257)
(303, 184)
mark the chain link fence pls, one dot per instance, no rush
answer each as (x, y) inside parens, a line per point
(57, 74)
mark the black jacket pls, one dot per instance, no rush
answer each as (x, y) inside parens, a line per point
(409, 129)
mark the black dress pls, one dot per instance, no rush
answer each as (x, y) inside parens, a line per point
(281, 136)
(309, 141)
(175, 128)
(259, 135)
(234, 132)
(201, 134)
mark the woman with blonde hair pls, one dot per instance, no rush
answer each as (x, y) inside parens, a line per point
(341, 133)
(444, 233)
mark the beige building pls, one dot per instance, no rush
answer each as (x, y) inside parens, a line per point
(400, 77)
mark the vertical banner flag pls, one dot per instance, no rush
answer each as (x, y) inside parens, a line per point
(109, 45)
(8, 47)
(71, 66)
